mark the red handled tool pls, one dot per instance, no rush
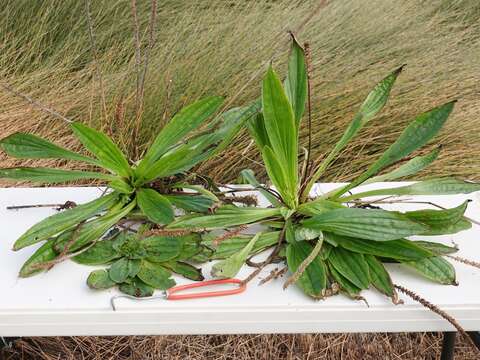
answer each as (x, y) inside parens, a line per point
(170, 294)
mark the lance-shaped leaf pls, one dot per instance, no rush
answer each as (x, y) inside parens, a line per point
(186, 270)
(413, 166)
(136, 288)
(278, 176)
(28, 146)
(191, 203)
(155, 275)
(318, 206)
(314, 279)
(225, 216)
(281, 129)
(418, 133)
(434, 268)
(186, 120)
(296, 81)
(229, 267)
(104, 149)
(443, 186)
(436, 248)
(233, 245)
(249, 176)
(34, 264)
(351, 265)
(62, 221)
(400, 249)
(440, 222)
(155, 206)
(372, 105)
(379, 225)
(50, 176)
(346, 286)
(379, 276)
(95, 229)
(99, 280)
(102, 252)
(257, 130)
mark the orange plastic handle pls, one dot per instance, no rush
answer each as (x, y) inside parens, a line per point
(241, 288)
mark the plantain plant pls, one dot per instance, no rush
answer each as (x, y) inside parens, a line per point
(146, 192)
(338, 240)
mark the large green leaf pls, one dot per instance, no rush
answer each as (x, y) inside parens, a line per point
(400, 249)
(440, 222)
(418, 133)
(95, 229)
(162, 248)
(233, 245)
(379, 225)
(103, 148)
(155, 206)
(28, 146)
(278, 176)
(102, 252)
(119, 270)
(155, 275)
(186, 120)
(224, 217)
(43, 255)
(99, 280)
(186, 270)
(434, 268)
(379, 276)
(296, 81)
(281, 129)
(346, 285)
(372, 105)
(314, 279)
(193, 203)
(257, 130)
(318, 206)
(443, 186)
(50, 176)
(351, 265)
(64, 220)
(229, 267)
(413, 166)
(137, 288)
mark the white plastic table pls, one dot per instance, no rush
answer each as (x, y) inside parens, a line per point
(60, 303)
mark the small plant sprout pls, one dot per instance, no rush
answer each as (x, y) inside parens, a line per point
(147, 192)
(338, 241)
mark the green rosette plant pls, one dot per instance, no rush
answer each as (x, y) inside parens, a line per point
(337, 241)
(146, 192)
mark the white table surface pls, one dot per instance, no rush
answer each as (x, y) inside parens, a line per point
(60, 303)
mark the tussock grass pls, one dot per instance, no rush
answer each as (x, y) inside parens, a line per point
(214, 47)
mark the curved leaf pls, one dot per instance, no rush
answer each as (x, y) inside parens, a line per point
(434, 268)
(136, 288)
(104, 149)
(296, 81)
(99, 280)
(119, 270)
(155, 275)
(379, 225)
(155, 206)
(64, 220)
(101, 253)
(28, 146)
(379, 276)
(162, 248)
(351, 265)
(50, 176)
(43, 255)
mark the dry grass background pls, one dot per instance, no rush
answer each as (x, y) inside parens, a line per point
(213, 47)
